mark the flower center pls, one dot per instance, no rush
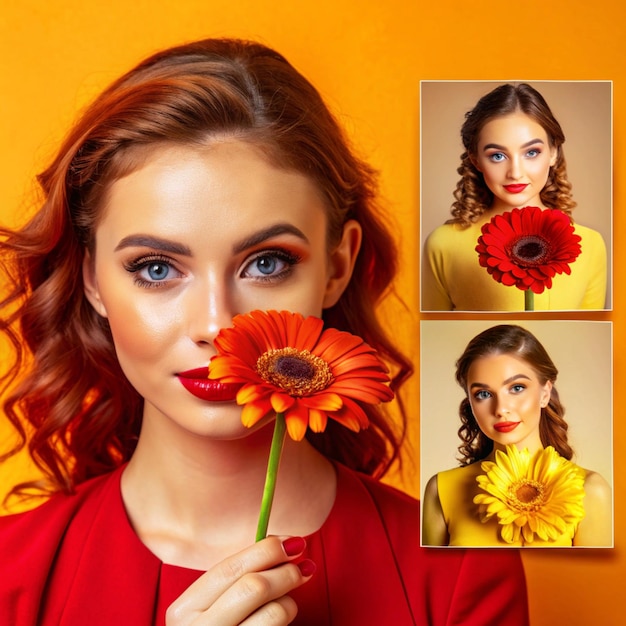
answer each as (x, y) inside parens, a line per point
(530, 250)
(526, 495)
(298, 372)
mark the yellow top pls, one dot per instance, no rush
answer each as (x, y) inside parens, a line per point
(457, 488)
(453, 280)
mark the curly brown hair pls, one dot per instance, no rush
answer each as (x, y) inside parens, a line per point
(69, 401)
(472, 196)
(521, 343)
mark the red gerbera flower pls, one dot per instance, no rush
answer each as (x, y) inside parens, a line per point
(289, 364)
(528, 247)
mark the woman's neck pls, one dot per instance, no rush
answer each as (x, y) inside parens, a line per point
(195, 502)
(532, 447)
(497, 208)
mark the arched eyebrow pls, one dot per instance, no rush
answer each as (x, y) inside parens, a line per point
(268, 233)
(508, 381)
(158, 243)
(495, 146)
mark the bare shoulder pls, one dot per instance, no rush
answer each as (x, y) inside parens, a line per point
(596, 528)
(431, 490)
(434, 527)
(596, 487)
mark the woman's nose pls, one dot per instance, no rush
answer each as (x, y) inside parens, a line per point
(515, 168)
(210, 309)
(502, 407)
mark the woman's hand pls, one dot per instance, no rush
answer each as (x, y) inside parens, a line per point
(249, 588)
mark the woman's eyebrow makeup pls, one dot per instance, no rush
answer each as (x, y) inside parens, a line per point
(504, 382)
(495, 146)
(267, 233)
(166, 245)
(158, 243)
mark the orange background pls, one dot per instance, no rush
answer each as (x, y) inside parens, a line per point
(367, 58)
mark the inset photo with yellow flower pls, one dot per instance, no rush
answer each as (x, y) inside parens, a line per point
(516, 433)
(516, 195)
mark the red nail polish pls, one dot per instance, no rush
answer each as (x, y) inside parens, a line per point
(307, 567)
(294, 545)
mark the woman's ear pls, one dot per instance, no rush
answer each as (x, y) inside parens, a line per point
(90, 284)
(554, 153)
(474, 162)
(341, 263)
(546, 394)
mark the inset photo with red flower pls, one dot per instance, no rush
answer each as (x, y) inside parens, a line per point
(516, 196)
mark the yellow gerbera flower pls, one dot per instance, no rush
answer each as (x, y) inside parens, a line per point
(540, 494)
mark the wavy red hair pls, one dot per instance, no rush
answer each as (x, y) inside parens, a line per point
(69, 400)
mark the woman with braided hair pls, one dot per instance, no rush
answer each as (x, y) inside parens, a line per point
(512, 412)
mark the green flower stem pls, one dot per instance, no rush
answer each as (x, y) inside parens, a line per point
(270, 478)
(529, 300)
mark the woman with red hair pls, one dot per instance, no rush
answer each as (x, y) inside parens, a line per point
(211, 180)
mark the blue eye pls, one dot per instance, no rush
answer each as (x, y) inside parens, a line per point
(517, 388)
(152, 271)
(157, 271)
(533, 153)
(266, 265)
(497, 157)
(482, 395)
(270, 265)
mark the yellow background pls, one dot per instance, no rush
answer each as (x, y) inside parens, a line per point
(367, 58)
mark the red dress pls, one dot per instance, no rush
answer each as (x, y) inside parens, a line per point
(76, 560)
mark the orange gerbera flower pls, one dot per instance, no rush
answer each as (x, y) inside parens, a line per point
(289, 364)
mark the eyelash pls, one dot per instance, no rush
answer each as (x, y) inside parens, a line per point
(137, 265)
(290, 259)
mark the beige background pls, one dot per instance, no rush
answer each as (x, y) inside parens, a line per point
(584, 110)
(581, 351)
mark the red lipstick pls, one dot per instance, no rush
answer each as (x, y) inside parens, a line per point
(515, 188)
(197, 383)
(506, 427)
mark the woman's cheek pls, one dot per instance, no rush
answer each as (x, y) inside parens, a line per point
(139, 329)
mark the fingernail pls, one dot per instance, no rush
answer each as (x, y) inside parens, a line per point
(294, 545)
(307, 567)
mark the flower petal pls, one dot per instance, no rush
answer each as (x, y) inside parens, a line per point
(253, 413)
(281, 402)
(297, 420)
